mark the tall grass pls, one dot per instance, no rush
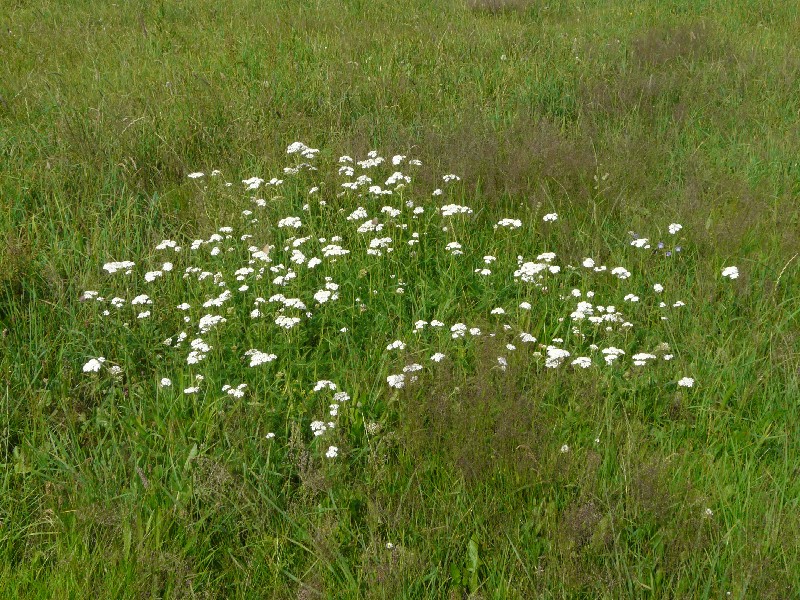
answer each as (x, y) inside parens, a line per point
(477, 478)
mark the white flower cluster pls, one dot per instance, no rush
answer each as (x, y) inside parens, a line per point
(233, 280)
(448, 210)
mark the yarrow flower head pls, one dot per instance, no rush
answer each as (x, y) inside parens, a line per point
(448, 210)
(302, 149)
(510, 223)
(94, 365)
(293, 222)
(324, 384)
(396, 381)
(286, 322)
(621, 272)
(236, 392)
(123, 265)
(259, 358)
(730, 272)
(555, 356)
(318, 428)
(322, 296)
(641, 358)
(584, 362)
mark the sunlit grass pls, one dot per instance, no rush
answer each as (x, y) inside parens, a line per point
(558, 360)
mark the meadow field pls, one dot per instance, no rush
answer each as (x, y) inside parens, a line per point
(337, 299)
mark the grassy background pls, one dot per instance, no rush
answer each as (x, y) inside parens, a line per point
(616, 116)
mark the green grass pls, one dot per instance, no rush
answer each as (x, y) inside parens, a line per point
(619, 118)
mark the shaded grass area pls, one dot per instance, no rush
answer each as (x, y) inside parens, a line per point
(616, 118)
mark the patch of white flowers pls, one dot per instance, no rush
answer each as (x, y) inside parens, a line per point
(263, 283)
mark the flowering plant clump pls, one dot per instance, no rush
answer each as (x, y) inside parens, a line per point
(306, 269)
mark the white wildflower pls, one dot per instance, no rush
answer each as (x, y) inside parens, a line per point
(449, 210)
(293, 222)
(730, 272)
(641, 358)
(584, 362)
(93, 365)
(324, 384)
(555, 357)
(396, 381)
(257, 357)
(510, 223)
(125, 265)
(286, 322)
